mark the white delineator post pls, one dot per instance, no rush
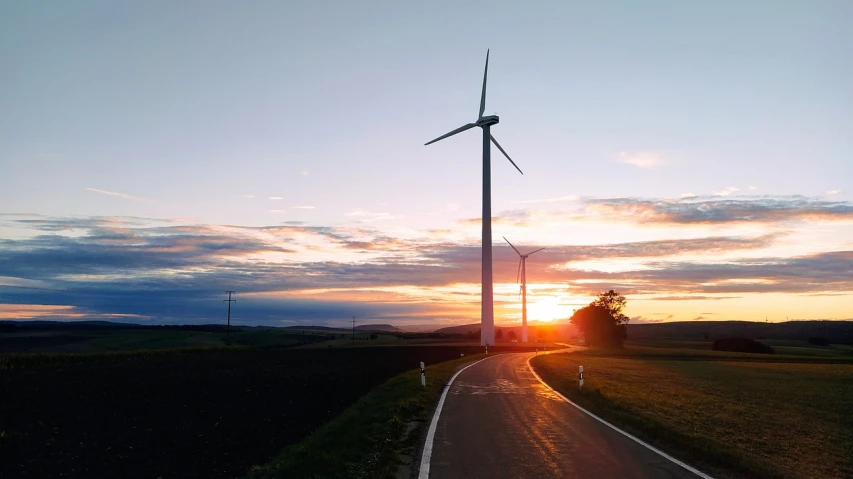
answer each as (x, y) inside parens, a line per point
(580, 375)
(423, 375)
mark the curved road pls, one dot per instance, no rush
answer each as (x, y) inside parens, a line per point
(499, 421)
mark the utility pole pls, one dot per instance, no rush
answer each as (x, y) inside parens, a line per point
(229, 301)
(353, 330)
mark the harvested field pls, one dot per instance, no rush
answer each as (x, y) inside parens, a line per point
(184, 414)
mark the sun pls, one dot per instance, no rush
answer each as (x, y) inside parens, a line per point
(547, 308)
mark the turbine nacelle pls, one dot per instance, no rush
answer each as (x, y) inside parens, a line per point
(487, 121)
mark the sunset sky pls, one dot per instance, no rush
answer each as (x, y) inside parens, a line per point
(696, 158)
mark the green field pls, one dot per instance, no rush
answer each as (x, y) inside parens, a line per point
(737, 414)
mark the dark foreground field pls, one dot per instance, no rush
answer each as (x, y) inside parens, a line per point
(180, 414)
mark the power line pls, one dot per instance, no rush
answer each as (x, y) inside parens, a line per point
(353, 330)
(229, 301)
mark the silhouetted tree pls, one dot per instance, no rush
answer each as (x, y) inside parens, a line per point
(499, 334)
(614, 303)
(602, 322)
(373, 336)
(512, 335)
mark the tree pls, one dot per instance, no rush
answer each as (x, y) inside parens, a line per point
(614, 303)
(602, 322)
(499, 334)
(512, 336)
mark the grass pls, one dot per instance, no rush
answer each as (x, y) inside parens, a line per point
(368, 439)
(765, 417)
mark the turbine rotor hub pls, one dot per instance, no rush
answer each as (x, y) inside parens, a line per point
(488, 120)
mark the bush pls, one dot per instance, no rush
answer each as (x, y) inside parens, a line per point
(741, 345)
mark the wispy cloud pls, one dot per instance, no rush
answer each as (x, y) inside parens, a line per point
(302, 207)
(718, 210)
(113, 193)
(692, 298)
(688, 195)
(559, 199)
(451, 207)
(752, 187)
(278, 212)
(641, 159)
(275, 197)
(247, 196)
(369, 216)
(726, 191)
(833, 192)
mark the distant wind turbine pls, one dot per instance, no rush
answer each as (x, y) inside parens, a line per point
(522, 272)
(487, 313)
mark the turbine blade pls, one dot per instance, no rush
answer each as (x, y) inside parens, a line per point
(518, 274)
(483, 96)
(538, 250)
(511, 246)
(507, 156)
(458, 130)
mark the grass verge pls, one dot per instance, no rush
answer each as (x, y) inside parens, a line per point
(368, 439)
(759, 419)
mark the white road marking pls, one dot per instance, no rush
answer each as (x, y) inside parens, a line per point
(427, 455)
(611, 426)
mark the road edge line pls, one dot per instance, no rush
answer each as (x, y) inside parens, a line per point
(423, 473)
(611, 426)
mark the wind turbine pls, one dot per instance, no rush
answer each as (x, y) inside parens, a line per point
(487, 313)
(522, 272)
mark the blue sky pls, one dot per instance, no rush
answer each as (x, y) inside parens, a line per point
(201, 127)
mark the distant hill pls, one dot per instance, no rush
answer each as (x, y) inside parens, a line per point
(310, 327)
(838, 332)
(464, 329)
(11, 326)
(382, 328)
(62, 325)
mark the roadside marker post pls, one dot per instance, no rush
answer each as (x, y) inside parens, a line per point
(580, 374)
(487, 349)
(423, 375)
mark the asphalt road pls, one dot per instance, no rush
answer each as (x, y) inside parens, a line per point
(499, 421)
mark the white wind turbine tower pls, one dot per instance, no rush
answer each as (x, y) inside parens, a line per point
(522, 272)
(487, 314)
